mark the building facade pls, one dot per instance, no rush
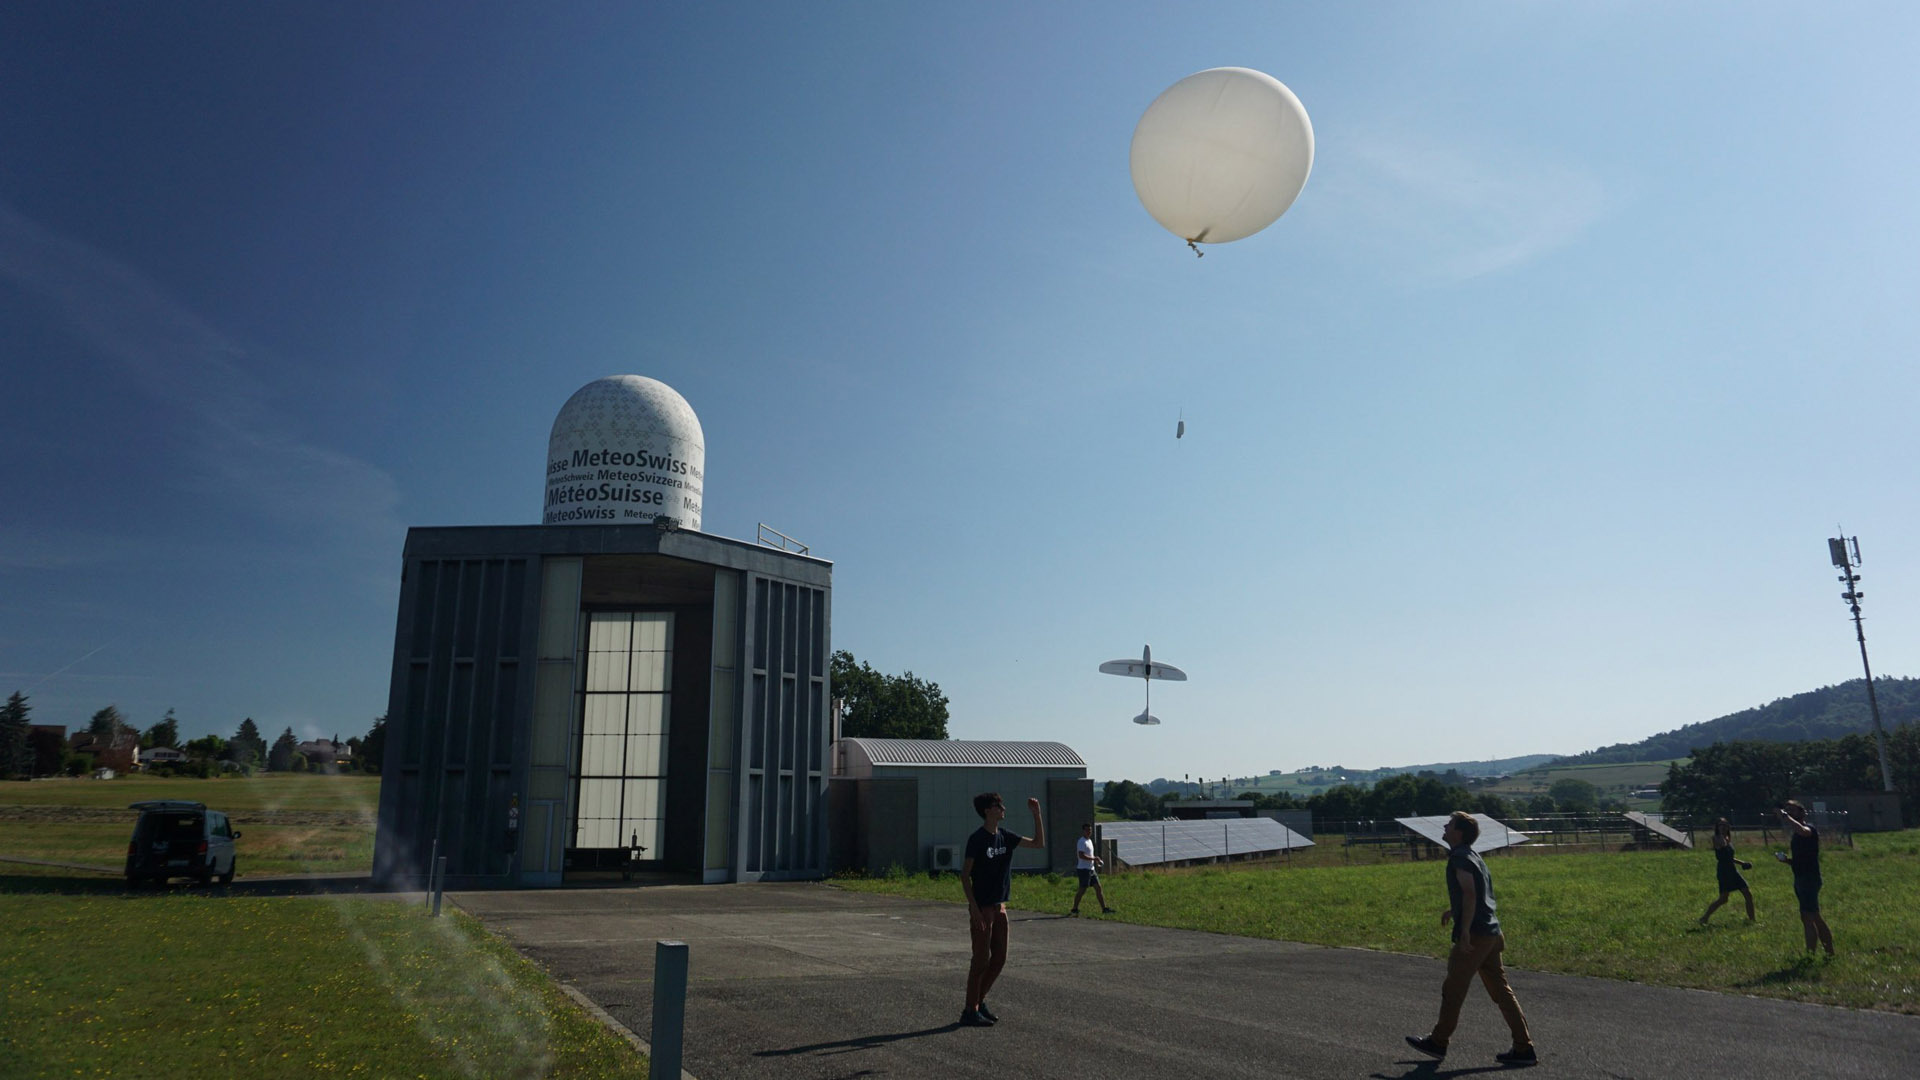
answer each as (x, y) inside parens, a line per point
(571, 702)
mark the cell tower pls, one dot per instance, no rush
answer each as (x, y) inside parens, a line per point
(1845, 552)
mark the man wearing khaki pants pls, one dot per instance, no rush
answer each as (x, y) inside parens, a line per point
(1477, 943)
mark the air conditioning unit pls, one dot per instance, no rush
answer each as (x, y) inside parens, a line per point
(946, 856)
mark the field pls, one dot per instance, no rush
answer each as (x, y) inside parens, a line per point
(1612, 780)
(292, 823)
(176, 985)
(1616, 915)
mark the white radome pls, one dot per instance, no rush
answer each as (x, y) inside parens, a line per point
(1221, 154)
(625, 449)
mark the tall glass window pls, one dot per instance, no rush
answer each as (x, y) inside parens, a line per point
(621, 781)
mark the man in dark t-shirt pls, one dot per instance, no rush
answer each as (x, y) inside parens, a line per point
(1477, 943)
(986, 877)
(1804, 841)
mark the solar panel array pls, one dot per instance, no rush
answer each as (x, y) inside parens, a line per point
(1143, 843)
(1659, 828)
(1493, 834)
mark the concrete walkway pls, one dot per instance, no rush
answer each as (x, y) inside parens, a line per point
(812, 981)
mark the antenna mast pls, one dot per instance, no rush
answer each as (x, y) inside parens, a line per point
(1845, 553)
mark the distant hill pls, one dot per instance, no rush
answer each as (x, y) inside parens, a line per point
(1313, 778)
(1826, 713)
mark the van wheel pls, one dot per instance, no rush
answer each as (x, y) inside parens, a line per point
(133, 882)
(232, 869)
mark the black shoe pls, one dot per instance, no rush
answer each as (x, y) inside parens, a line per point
(1517, 1057)
(1109, 911)
(988, 1013)
(972, 1018)
(1075, 911)
(1427, 1046)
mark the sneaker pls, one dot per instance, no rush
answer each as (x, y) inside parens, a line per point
(1074, 912)
(1109, 911)
(1517, 1057)
(988, 1013)
(972, 1018)
(1427, 1046)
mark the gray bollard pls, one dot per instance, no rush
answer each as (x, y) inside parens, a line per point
(431, 860)
(669, 1008)
(439, 882)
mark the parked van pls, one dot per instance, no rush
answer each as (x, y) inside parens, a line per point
(175, 838)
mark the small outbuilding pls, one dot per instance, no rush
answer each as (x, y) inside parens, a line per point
(909, 802)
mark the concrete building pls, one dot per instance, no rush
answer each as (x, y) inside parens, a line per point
(909, 802)
(583, 700)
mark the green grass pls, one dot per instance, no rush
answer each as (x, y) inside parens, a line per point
(351, 793)
(1618, 915)
(171, 985)
(292, 823)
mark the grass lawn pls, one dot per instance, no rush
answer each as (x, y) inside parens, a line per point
(173, 985)
(293, 822)
(1617, 915)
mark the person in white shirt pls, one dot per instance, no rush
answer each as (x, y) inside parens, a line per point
(1087, 865)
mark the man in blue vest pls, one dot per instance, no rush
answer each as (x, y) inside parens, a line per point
(1477, 943)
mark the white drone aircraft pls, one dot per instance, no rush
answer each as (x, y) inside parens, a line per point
(1145, 668)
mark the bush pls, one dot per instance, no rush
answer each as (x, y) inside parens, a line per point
(896, 872)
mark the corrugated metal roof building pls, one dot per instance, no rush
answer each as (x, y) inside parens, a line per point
(909, 802)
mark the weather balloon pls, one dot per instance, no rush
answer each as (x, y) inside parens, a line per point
(1221, 155)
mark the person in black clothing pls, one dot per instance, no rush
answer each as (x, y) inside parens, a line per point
(1477, 944)
(1728, 868)
(1804, 840)
(986, 877)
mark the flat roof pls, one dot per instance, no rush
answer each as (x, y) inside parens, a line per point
(501, 541)
(973, 752)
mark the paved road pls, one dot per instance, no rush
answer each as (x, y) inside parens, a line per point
(812, 981)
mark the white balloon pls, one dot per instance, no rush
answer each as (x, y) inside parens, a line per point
(1221, 154)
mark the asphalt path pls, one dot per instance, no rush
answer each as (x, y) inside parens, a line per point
(807, 980)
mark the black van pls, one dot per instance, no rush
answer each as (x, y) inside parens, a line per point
(175, 838)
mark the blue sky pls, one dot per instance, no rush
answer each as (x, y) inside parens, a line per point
(1520, 432)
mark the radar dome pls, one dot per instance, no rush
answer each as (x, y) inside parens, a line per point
(625, 450)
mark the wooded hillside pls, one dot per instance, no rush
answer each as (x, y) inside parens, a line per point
(1827, 713)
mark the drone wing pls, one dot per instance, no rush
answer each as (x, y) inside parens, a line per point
(1143, 669)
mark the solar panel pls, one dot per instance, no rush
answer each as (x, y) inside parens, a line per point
(1659, 828)
(1493, 834)
(1143, 843)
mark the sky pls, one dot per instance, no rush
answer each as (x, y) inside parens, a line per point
(1521, 432)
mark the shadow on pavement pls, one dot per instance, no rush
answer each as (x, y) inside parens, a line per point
(1437, 1070)
(862, 1042)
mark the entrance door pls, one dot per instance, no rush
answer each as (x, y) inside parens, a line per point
(621, 761)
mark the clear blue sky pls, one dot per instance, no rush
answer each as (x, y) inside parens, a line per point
(1521, 432)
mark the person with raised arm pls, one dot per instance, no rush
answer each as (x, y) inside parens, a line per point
(1804, 842)
(986, 877)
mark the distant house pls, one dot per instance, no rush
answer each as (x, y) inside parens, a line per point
(320, 752)
(120, 754)
(161, 755)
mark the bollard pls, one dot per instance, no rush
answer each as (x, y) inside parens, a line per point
(669, 1008)
(439, 882)
(431, 861)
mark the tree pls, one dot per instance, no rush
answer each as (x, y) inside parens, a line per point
(280, 758)
(165, 733)
(373, 748)
(1129, 800)
(16, 757)
(881, 706)
(206, 748)
(247, 747)
(107, 726)
(1575, 796)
